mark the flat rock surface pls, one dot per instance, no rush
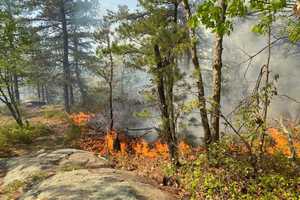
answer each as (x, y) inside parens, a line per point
(71, 174)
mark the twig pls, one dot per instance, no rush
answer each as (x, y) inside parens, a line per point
(290, 141)
(290, 98)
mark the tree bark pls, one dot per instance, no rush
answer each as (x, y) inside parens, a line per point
(80, 84)
(110, 82)
(38, 88)
(217, 77)
(9, 100)
(43, 93)
(266, 94)
(200, 85)
(47, 94)
(72, 100)
(117, 144)
(66, 67)
(16, 88)
(173, 141)
(14, 110)
(168, 131)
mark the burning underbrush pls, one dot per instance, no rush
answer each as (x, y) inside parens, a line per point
(104, 144)
(282, 143)
(151, 160)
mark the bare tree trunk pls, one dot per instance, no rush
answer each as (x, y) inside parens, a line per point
(43, 93)
(72, 100)
(14, 106)
(266, 97)
(16, 88)
(200, 85)
(167, 130)
(9, 100)
(217, 73)
(14, 110)
(80, 84)
(110, 82)
(47, 94)
(66, 67)
(39, 91)
(217, 77)
(173, 141)
(117, 144)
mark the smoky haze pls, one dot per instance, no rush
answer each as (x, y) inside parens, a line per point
(239, 79)
(284, 62)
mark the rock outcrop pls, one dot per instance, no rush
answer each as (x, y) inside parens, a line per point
(72, 174)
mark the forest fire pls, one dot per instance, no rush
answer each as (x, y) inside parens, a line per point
(104, 144)
(138, 147)
(81, 118)
(281, 143)
(135, 146)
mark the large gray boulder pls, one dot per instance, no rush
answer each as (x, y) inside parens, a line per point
(72, 174)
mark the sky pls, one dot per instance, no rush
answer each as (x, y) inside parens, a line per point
(113, 4)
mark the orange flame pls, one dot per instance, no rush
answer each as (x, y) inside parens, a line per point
(281, 143)
(138, 147)
(81, 118)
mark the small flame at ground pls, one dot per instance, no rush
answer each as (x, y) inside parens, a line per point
(81, 118)
(281, 143)
(138, 147)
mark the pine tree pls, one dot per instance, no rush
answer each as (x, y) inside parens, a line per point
(66, 23)
(155, 39)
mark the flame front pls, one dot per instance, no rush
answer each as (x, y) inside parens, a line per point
(138, 147)
(281, 143)
(81, 118)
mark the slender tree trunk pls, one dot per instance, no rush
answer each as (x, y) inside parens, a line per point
(161, 91)
(217, 73)
(14, 110)
(11, 103)
(80, 84)
(110, 82)
(173, 140)
(72, 100)
(117, 144)
(66, 67)
(43, 93)
(217, 77)
(14, 107)
(168, 126)
(200, 85)
(47, 94)
(38, 88)
(266, 96)
(16, 88)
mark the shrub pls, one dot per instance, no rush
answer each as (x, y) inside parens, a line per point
(224, 175)
(72, 133)
(13, 134)
(50, 112)
(13, 187)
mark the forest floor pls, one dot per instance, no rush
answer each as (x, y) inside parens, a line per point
(22, 164)
(226, 175)
(57, 124)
